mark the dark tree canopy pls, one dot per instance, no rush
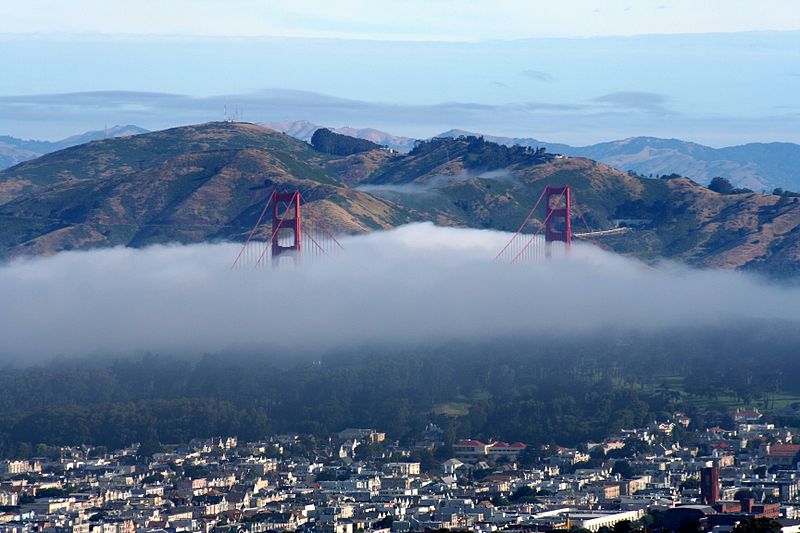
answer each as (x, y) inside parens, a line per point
(757, 525)
(720, 185)
(324, 140)
(542, 392)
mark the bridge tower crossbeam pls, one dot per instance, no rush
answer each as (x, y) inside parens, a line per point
(557, 224)
(282, 205)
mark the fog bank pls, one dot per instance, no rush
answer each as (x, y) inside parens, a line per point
(415, 284)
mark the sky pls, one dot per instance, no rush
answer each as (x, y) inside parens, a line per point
(430, 20)
(415, 284)
(579, 72)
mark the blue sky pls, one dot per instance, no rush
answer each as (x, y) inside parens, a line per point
(435, 20)
(723, 72)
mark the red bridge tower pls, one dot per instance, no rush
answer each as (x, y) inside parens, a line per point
(280, 221)
(557, 223)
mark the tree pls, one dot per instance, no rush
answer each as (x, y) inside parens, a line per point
(329, 142)
(529, 456)
(623, 468)
(385, 522)
(500, 500)
(692, 526)
(757, 525)
(623, 526)
(720, 185)
(524, 494)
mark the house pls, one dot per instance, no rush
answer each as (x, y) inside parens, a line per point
(606, 491)
(370, 436)
(403, 469)
(12, 468)
(471, 450)
(781, 454)
(450, 466)
(747, 416)
(497, 450)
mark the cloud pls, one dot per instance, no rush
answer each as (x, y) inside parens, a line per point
(633, 100)
(610, 116)
(430, 185)
(538, 75)
(415, 284)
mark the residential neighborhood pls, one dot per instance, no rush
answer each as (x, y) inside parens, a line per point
(667, 476)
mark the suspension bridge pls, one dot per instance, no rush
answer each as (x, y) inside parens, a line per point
(286, 234)
(535, 240)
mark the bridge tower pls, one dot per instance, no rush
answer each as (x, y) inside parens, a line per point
(281, 221)
(558, 227)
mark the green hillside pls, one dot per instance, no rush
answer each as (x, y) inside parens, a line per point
(209, 182)
(197, 183)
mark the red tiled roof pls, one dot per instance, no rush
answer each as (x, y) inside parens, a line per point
(518, 445)
(783, 450)
(470, 443)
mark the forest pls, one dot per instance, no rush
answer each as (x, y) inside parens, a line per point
(479, 153)
(329, 142)
(557, 390)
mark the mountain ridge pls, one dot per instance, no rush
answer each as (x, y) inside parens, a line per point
(14, 150)
(760, 166)
(757, 166)
(208, 182)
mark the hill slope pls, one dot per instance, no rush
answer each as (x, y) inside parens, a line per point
(186, 184)
(757, 166)
(680, 219)
(209, 182)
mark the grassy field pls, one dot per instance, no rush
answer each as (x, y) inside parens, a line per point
(772, 403)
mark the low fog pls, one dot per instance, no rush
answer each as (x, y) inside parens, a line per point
(415, 284)
(435, 182)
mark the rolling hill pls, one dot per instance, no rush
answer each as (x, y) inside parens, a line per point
(677, 217)
(757, 166)
(189, 184)
(209, 181)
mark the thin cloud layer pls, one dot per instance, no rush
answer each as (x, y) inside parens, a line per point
(416, 284)
(633, 100)
(538, 75)
(609, 116)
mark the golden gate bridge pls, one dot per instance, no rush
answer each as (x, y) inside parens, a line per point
(292, 236)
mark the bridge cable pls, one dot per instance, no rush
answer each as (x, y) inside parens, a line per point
(258, 223)
(324, 228)
(544, 223)
(588, 228)
(527, 219)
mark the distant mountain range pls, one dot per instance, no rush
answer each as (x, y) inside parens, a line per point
(14, 150)
(756, 166)
(209, 181)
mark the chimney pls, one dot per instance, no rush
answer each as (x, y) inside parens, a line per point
(709, 485)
